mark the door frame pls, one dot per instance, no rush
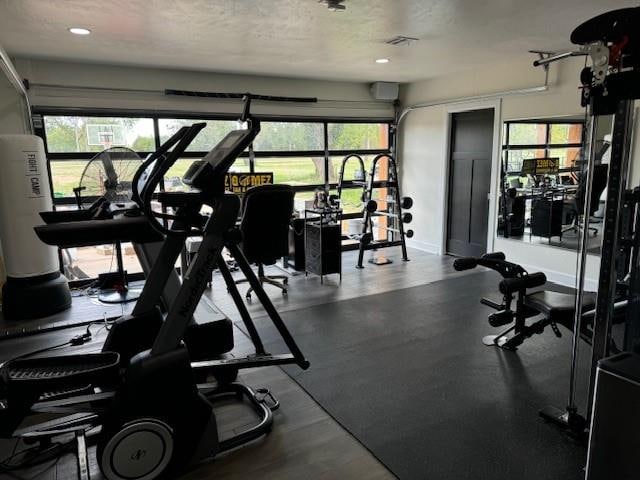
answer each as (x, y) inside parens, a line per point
(496, 106)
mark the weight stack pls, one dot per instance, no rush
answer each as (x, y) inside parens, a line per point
(614, 438)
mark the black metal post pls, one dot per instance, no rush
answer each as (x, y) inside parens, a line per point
(242, 308)
(268, 306)
(618, 169)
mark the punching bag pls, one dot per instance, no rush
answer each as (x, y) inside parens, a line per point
(34, 286)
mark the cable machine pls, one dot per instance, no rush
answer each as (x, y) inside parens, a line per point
(609, 86)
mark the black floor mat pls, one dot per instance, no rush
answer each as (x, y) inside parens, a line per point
(407, 374)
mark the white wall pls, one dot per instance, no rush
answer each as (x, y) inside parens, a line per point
(11, 109)
(423, 145)
(65, 84)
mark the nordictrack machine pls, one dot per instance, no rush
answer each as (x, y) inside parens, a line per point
(139, 397)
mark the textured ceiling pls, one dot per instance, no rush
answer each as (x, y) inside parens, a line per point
(294, 38)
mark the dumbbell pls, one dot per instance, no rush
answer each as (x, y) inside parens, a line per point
(409, 233)
(406, 202)
(366, 238)
(407, 217)
(372, 206)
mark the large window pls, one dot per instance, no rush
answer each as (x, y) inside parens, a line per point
(305, 153)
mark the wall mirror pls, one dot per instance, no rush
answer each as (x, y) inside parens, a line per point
(541, 192)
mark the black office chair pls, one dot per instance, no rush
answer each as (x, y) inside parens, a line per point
(266, 213)
(600, 178)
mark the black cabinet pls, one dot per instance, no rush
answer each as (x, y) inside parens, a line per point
(546, 218)
(323, 246)
(295, 258)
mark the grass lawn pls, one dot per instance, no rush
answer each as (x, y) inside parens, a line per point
(294, 171)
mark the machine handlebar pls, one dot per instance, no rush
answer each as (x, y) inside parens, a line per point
(465, 263)
(511, 285)
(494, 256)
(495, 261)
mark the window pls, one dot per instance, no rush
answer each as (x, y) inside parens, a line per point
(358, 136)
(65, 175)
(289, 137)
(293, 170)
(539, 139)
(208, 137)
(94, 134)
(294, 150)
(533, 200)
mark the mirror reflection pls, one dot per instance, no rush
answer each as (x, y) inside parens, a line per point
(542, 187)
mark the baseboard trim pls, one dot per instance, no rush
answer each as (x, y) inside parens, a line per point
(423, 246)
(565, 279)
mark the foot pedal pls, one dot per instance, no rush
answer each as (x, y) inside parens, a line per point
(264, 395)
(36, 375)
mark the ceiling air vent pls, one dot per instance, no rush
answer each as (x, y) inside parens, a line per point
(334, 5)
(401, 40)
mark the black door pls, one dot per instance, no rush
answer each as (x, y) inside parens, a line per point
(469, 182)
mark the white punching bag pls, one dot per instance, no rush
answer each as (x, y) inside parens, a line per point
(34, 287)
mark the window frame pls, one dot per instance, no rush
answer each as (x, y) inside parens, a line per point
(156, 116)
(546, 146)
(39, 112)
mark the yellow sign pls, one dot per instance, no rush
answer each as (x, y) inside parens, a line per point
(241, 182)
(540, 166)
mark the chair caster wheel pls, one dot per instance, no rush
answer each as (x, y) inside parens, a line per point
(284, 293)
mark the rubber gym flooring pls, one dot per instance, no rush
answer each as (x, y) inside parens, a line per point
(407, 374)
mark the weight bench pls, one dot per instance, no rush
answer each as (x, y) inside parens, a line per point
(556, 308)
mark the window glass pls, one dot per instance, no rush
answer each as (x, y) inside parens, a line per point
(65, 175)
(88, 262)
(208, 137)
(352, 197)
(94, 134)
(289, 136)
(358, 136)
(563, 133)
(515, 158)
(527, 133)
(567, 156)
(241, 165)
(293, 170)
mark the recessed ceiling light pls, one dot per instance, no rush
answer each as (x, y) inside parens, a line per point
(80, 31)
(383, 60)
